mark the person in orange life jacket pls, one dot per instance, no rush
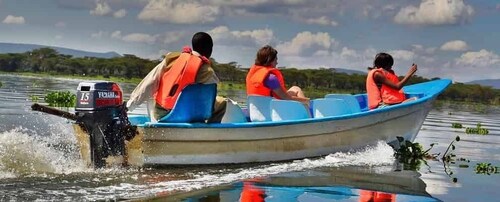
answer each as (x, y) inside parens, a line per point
(382, 85)
(266, 80)
(148, 88)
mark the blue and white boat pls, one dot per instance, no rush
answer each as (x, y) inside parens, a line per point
(271, 130)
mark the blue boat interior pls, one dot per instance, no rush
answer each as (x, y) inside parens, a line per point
(265, 111)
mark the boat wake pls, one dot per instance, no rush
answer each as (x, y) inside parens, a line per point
(379, 155)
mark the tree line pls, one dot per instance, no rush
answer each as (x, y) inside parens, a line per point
(47, 60)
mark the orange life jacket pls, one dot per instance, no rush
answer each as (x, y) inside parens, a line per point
(251, 193)
(385, 94)
(255, 81)
(182, 73)
(376, 196)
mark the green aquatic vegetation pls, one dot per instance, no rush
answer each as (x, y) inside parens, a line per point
(448, 155)
(412, 155)
(477, 130)
(34, 98)
(486, 169)
(60, 99)
(456, 125)
(409, 149)
(1, 84)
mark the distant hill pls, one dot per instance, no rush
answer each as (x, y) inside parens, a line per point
(495, 83)
(350, 71)
(21, 48)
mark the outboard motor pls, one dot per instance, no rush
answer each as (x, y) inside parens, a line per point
(100, 111)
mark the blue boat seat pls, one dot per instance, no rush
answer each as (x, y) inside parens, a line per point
(283, 110)
(259, 108)
(362, 100)
(351, 101)
(326, 107)
(194, 104)
(234, 113)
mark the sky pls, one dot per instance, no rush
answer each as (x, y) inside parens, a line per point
(455, 39)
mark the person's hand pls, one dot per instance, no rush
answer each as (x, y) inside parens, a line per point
(306, 102)
(413, 69)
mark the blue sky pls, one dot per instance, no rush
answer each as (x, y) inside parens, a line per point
(454, 39)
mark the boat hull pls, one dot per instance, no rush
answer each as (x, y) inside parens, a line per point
(182, 146)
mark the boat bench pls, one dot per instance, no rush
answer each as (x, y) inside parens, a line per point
(264, 108)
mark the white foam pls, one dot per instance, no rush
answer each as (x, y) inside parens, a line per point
(379, 155)
(25, 153)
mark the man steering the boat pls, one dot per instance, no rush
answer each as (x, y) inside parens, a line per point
(156, 86)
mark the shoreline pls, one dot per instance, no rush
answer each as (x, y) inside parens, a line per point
(225, 86)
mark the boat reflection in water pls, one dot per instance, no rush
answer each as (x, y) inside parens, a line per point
(324, 184)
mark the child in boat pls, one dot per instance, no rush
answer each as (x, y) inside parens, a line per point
(266, 80)
(382, 84)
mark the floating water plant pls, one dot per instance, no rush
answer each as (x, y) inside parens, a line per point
(412, 154)
(34, 98)
(447, 155)
(60, 99)
(1, 84)
(477, 130)
(486, 169)
(456, 125)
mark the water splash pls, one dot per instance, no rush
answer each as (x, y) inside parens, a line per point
(25, 153)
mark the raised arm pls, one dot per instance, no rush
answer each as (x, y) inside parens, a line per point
(379, 78)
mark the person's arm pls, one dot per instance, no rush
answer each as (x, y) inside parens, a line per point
(147, 86)
(285, 96)
(380, 78)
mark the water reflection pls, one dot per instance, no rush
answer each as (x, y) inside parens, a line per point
(325, 184)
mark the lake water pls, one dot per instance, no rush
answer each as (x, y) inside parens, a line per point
(39, 160)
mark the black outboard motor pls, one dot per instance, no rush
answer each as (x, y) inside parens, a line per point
(100, 111)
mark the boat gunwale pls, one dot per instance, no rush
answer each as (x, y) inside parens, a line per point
(426, 98)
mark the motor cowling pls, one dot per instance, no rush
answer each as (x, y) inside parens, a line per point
(100, 111)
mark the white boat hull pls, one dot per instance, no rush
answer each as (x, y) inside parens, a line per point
(182, 146)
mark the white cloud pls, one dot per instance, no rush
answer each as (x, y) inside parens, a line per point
(238, 2)
(60, 24)
(174, 36)
(402, 55)
(482, 58)
(98, 34)
(323, 20)
(435, 12)
(101, 9)
(348, 53)
(58, 37)
(417, 48)
(10, 19)
(258, 37)
(116, 35)
(306, 43)
(178, 12)
(120, 13)
(133, 37)
(456, 45)
(140, 38)
(428, 59)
